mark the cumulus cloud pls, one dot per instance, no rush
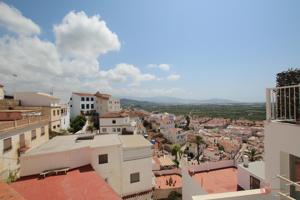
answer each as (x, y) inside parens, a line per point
(80, 35)
(165, 67)
(71, 63)
(14, 21)
(173, 77)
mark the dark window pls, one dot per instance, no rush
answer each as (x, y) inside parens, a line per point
(33, 134)
(87, 106)
(135, 177)
(103, 130)
(87, 99)
(71, 106)
(92, 106)
(103, 158)
(58, 126)
(254, 183)
(43, 131)
(114, 129)
(92, 99)
(82, 98)
(71, 98)
(82, 106)
(119, 129)
(53, 112)
(57, 112)
(7, 144)
(113, 121)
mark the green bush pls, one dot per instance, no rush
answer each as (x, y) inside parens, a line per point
(77, 123)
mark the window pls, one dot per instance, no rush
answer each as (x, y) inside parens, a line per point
(92, 106)
(87, 99)
(114, 129)
(82, 106)
(92, 99)
(71, 106)
(33, 134)
(82, 98)
(7, 144)
(57, 112)
(71, 99)
(103, 130)
(103, 158)
(254, 183)
(53, 112)
(53, 127)
(119, 129)
(87, 106)
(43, 131)
(58, 126)
(135, 177)
(113, 121)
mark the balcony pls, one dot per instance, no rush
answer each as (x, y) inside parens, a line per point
(283, 104)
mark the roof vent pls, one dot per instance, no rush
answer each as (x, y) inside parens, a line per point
(85, 137)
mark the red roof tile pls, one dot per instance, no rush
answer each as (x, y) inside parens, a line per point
(81, 183)
(8, 193)
(83, 94)
(103, 96)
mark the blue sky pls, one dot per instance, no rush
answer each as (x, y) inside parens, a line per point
(223, 49)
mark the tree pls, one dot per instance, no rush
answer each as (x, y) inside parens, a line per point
(188, 121)
(175, 150)
(174, 196)
(198, 141)
(77, 123)
(254, 155)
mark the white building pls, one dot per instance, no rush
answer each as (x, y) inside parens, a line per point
(123, 161)
(106, 103)
(65, 117)
(175, 135)
(16, 139)
(2, 92)
(81, 103)
(117, 122)
(49, 103)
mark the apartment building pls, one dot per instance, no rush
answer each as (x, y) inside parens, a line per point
(124, 162)
(117, 122)
(106, 103)
(81, 104)
(18, 136)
(65, 116)
(175, 135)
(50, 106)
(1, 92)
(87, 103)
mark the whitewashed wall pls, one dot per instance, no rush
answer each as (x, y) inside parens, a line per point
(190, 187)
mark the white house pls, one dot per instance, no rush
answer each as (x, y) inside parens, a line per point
(49, 103)
(175, 135)
(65, 116)
(123, 161)
(81, 103)
(16, 139)
(117, 122)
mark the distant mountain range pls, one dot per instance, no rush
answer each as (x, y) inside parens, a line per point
(174, 101)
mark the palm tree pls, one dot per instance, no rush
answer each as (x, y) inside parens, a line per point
(198, 141)
(175, 150)
(254, 155)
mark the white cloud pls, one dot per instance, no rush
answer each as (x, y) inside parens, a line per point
(165, 67)
(80, 35)
(173, 77)
(71, 63)
(14, 21)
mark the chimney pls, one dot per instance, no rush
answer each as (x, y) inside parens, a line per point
(246, 160)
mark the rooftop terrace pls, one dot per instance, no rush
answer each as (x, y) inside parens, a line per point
(218, 181)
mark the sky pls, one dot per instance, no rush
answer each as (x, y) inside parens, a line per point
(186, 49)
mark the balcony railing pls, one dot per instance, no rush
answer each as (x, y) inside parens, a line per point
(283, 103)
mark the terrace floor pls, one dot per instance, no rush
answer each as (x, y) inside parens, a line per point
(218, 181)
(161, 181)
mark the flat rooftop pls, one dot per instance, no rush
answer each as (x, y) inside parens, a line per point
(78, 184)
(256, 168)
(161, 181)
(69, 142)
(217, 181)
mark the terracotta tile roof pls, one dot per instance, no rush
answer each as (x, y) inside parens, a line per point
(83, 94)
(80, 183)
(114, 115)
(101, 95)
(8, 193)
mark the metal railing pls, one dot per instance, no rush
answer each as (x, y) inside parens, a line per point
(283, 103)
